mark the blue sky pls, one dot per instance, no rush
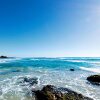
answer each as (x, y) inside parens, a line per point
(50, 28)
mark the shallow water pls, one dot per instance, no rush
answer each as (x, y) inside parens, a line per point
(53, 71)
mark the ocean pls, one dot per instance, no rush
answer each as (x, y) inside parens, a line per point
(53, 71)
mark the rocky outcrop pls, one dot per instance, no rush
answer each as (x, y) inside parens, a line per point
(3, 57)
(94, 79)
(51, 92)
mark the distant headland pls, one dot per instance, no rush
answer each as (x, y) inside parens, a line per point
(4, 57)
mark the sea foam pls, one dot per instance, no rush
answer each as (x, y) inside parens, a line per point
(97, 70)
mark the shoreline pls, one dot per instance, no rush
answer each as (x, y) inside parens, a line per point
(56, 72)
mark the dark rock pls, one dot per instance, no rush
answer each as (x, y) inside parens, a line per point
(50, 92)
(94, 79)
(3, 57)
(28, 80)
(72, 70)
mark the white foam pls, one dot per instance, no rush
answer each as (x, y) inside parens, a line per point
(75, 60)
(35, 59)
(91, 62)
(9, 60)
(78, 84)
(97, 70)
(95, 62)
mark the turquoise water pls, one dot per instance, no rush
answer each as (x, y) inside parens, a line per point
(55, 71)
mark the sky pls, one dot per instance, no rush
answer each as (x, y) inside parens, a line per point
(50, 28)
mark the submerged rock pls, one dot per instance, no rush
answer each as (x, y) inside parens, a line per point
(51, 92)
(16, 70)
(94, 79)
(28, 80)
(9, 72)
(32, 81)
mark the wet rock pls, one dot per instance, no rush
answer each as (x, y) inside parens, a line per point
(50, 92)
(72, 70)
(28, 80)
(94, 79)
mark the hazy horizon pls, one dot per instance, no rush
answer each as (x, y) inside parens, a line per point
(50, 28)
